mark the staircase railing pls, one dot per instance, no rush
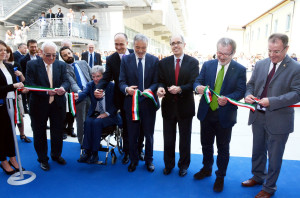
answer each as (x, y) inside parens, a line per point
(9, 7)
(54, 28)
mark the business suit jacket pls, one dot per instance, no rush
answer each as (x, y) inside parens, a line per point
(129, 77)
(52, 16)
(59, 15)
(97, 58)
(112, 72)
(7, 147)
(17, 56)
(23, 62)
(283, 91)
(37, 76)
(109, 95)
(86, 70)
(234, 87)
(189, 71)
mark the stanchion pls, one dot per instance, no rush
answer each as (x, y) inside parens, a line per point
(18, 178)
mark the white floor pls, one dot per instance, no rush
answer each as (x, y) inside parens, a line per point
(241, 141)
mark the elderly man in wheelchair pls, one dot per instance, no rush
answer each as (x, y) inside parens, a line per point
(101, 114)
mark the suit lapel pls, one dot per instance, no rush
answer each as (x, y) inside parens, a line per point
(43, 71)
(171, 70)
(214, 68)
(230, 71)
(146, 71)
(182, 71)
(281, 68)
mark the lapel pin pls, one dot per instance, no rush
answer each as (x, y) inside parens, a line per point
(284, 65)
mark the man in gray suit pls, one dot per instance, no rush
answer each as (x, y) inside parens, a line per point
(78, 74)
(276, 83)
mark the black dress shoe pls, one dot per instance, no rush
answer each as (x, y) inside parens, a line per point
(17, 170)
(202, 174)
(167, 171)
(182, 172)
(7, 172)
(65, 136)
(142, 156)
(47, 127)
(84, 158)
(219, 184)
(59, 160)
(150, 167)
(125, 159)
(132, 167)
(93, 159)
(73, 134)
(25, 139)
(45, 166)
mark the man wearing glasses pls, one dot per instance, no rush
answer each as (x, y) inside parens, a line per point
(50, 73)
(227, 78)
(177, 74)
(275, 81)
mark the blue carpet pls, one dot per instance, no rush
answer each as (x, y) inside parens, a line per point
(84, 180)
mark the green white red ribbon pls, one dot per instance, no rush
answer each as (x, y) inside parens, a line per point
(207, 95)
(71, 98)
(17, 109)
(135, 102)
(232, 101)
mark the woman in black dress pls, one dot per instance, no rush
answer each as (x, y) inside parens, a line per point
(8, 85)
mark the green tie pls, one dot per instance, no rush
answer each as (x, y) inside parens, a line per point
(214, 103)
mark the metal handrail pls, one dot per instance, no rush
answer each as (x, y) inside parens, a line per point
(8, 7)
(54, 28)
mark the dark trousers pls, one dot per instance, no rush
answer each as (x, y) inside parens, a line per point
(125, 135)
(39, 117)
(146, 124)
(69, 121)
(93, 130)
(185, 129)
(211, 128)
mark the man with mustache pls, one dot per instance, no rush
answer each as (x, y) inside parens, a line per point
(78, 74)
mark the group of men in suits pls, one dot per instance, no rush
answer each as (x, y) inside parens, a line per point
(273, 87)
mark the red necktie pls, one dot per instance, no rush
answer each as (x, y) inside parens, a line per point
(271, 74)
(177, 69)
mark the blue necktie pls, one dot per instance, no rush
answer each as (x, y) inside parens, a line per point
(140, 75)
(100, 106)
(91, 60)
(77, 76)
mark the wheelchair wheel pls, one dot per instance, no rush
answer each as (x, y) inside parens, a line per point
(119, 140)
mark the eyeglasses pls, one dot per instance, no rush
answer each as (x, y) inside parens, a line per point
(223, 54)
(276, 51)
(49, 55)
(177, 43)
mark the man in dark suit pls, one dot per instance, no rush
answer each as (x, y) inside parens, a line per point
(177, 74)
(91, 57)
(227, 78)
(51, 73)
(78, 74)
(50, 15)
(112, 71)
(102, 113)
(139, 70)
(59, 22)
(22, 50)
(276, 82)
(31, 55)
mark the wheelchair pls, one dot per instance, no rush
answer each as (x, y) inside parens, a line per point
(110, 133)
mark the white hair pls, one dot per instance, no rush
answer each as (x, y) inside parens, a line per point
(98, 68)
(49, 44)
(66, 42)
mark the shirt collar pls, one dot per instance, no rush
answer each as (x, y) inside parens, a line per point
(181, 57)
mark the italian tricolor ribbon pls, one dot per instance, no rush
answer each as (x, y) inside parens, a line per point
(17, 109)
(70, 97)
(207, 92)
(207, 95)
(135, 102)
